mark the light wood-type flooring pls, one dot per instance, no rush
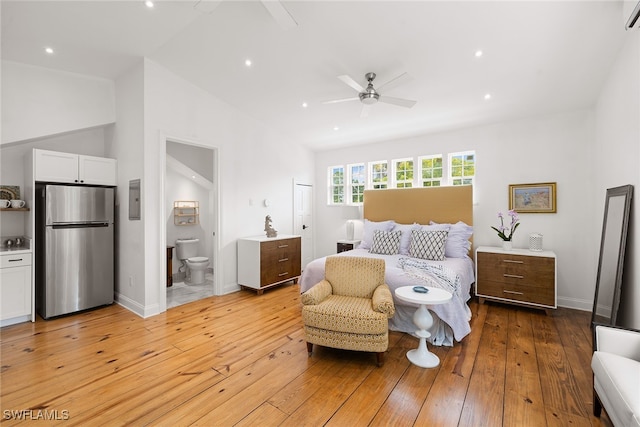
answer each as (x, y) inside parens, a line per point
(241, 360)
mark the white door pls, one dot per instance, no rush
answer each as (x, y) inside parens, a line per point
(303, 219)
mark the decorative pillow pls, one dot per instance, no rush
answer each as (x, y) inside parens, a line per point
(405, 240)
(385, 242)
(370, 227)
(428, 244)
(458, 244)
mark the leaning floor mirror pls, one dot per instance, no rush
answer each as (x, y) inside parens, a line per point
(612, 248)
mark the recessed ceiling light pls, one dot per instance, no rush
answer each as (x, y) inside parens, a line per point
(478, 53)
(149, 4)
(336, 128)
(487, 96)
(48, 50)
(247, 62)
(193, 177)
(305, 105)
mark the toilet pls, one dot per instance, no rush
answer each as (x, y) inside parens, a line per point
(187, 251)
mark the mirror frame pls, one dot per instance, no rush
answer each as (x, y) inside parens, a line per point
(627, 192)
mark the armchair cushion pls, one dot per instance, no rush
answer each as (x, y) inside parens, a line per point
(345, 314)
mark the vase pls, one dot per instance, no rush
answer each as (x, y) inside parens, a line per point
(506, 245)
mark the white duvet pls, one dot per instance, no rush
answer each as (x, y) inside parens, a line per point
(451, 320)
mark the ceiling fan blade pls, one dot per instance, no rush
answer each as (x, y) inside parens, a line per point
(335, 101)
(397, 101)
(281, 15)
(365, 110)
(349, 81)
(395, 82)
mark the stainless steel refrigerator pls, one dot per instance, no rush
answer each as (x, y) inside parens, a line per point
(74, 243)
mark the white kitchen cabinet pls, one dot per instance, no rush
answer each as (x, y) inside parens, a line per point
(15, 288)
(54, 166)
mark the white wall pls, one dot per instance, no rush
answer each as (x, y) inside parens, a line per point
(255, 163)
(39, 102)
(540, 149)
(90, 142)
(617, 160)
(127, 147)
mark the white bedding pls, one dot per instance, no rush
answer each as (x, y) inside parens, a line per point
(451, 320)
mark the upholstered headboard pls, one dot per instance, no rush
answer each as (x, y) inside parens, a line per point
(421, 205)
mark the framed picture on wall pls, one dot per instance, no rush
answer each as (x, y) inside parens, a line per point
(533, 198)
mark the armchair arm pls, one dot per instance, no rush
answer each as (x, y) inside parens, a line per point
(317, 293)
(620, 341)
(382, 301)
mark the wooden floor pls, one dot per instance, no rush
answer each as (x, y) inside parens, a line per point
(241, 360)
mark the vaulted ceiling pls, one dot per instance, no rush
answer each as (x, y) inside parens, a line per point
(538, 57)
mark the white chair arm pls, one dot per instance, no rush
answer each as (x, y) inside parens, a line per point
(623, 342)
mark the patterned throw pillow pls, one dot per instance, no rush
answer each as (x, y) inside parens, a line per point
(385, 242)
(428, 244)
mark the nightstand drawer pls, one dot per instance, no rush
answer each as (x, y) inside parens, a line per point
(516, 269)
(518, 292)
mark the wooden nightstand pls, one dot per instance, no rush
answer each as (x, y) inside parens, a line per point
(519, 276)
(264, 262)
(347, 245)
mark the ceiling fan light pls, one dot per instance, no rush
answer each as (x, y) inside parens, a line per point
(369, 98)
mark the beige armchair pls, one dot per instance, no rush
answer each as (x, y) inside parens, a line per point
(350, 308)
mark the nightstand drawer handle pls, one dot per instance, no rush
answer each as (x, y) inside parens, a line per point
(513, 292)
(513, 261)
(283, 274)
(283, 246)
(283, 260)
(514, 276)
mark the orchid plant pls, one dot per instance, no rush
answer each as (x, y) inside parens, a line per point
(506, 232)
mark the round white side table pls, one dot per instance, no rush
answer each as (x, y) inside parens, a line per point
(421, 356)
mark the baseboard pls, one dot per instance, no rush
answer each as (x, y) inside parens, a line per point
(136, 307)
(576, 304)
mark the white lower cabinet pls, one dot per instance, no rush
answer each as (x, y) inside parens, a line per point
(15, 288)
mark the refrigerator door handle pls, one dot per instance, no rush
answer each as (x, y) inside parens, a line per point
(79, 225)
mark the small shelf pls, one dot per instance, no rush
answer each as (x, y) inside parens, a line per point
(186, 212)
(15, 209)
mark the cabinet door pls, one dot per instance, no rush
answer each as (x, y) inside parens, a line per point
(97, 170)
(51, 166)
(15, 292)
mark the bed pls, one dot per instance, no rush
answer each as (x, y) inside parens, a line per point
(427, 211)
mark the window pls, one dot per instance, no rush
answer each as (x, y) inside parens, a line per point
(431, 171)
(403, 171)
(336, 185)
(358, 179)
(378, 175)
(462, 168)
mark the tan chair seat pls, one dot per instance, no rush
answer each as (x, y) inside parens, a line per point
(346, 314)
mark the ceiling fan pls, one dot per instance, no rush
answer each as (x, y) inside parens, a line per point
(369, 95)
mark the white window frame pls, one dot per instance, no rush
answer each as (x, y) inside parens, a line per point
(331, 185)
(379, 185)
(394, 169)
(441, 180)
(362, 176)
(471, 180)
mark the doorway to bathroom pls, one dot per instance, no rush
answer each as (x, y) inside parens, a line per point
(191, 199)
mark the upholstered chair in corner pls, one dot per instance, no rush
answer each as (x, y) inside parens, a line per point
(616, 374)
(349, 309)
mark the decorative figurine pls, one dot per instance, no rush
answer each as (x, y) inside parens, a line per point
(271, 232)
